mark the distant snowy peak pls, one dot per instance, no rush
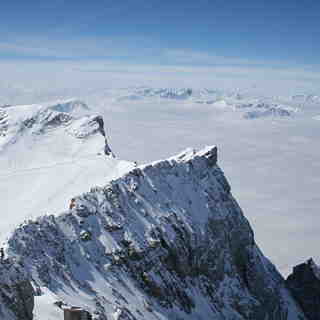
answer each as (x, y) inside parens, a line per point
(188, 94)
(39, 117)
(208, 96)
(50, 134)
(306, 98)
(243, 104)
(165, 93)
(48, 154)
(261, 109)
(71, 116)
(252, 108)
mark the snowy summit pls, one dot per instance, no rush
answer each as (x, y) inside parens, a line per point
(48, 154)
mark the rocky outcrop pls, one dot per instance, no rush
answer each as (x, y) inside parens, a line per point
(88, 126)
(304, 283)
(16, 292)
(167, 240)
(100, 122)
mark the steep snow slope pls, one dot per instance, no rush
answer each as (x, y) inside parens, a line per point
(164, 241)
(49, 153)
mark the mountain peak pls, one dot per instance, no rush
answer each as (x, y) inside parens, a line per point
(50, 145)
(164, 240)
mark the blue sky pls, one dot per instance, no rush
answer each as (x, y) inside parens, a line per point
(163, 32)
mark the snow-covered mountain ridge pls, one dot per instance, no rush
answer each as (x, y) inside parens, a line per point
(17, 122)
(164, 241)
(49, 153)
(247, 106)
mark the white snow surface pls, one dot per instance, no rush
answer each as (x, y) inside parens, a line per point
(49, 153)
(44, 307)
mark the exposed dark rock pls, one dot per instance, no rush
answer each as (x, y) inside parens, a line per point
(304, 283)
(16, 292)
(100, 122)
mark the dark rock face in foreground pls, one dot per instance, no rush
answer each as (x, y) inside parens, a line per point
(16, 292)
(304, 283)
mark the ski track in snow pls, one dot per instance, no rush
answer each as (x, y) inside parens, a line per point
(54, 165)
(29, 193)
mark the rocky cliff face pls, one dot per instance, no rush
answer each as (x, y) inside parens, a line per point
(16, 292)
(304, 283)
(165, 241)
